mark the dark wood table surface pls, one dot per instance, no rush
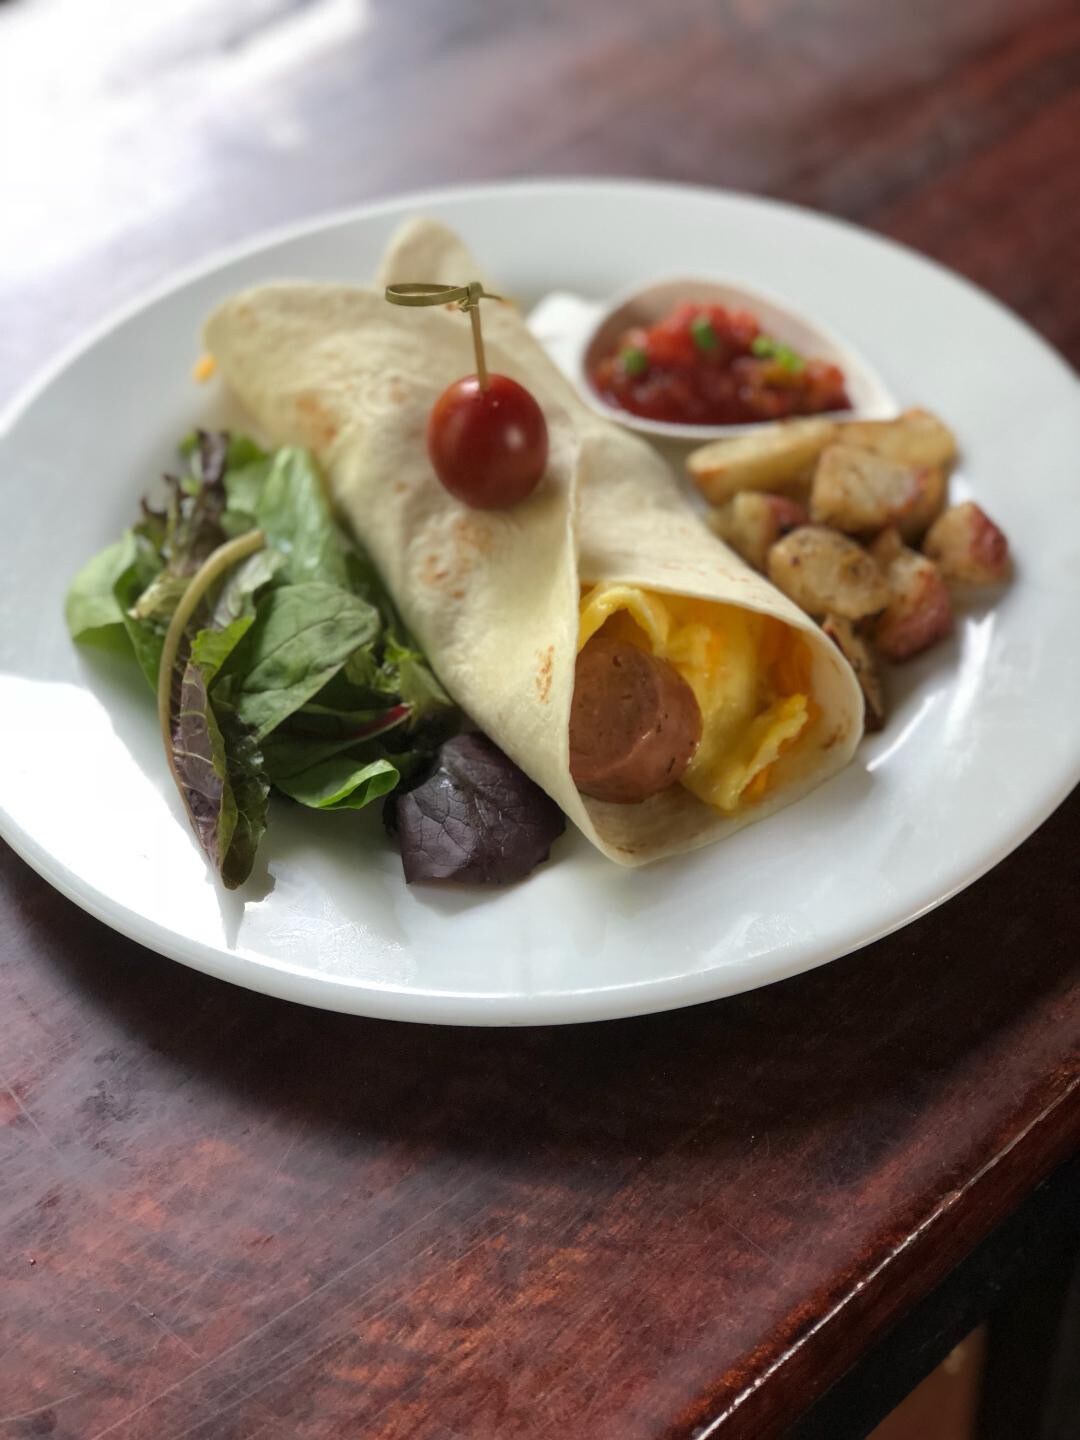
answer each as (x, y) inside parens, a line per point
(223, 1217)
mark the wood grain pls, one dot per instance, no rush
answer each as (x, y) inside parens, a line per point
(229, 1219)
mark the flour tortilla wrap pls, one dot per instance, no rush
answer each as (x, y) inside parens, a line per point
(493, 596)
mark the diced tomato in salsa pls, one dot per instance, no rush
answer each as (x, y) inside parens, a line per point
(707, 365)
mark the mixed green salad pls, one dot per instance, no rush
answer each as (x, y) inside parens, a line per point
(277, 657)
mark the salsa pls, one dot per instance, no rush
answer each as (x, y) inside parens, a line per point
(707, 365)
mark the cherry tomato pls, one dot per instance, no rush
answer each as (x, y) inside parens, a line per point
(489, 447)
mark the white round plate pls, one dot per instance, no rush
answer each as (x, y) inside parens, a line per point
(982, 742)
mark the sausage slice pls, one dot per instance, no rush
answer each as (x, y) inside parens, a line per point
(634, 723)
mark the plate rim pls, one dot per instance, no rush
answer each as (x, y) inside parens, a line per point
(25, 395)
(404, 1002)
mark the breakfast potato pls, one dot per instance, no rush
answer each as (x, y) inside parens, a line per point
(859, 653)
(753, 520)
(933, 492)
(914, 438)
(770, 457)
(858, 491)
(919, 611)
(967, 546)
(824, 572)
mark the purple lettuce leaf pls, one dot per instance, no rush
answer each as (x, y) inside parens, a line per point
(477, 819)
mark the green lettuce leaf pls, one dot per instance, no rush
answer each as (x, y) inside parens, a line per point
(190, 528)
(201, 769)
(250, 793)
(295, 671)
(218, 771)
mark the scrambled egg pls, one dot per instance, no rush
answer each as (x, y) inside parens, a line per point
(749, 673)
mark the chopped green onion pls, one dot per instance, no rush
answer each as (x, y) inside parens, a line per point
(702, 332)
(634, 360)
(766, 348)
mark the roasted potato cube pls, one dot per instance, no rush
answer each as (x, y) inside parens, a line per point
(914, 438)
(857, 491)
(754, 520)
(933, 482)
(919, 612)
(769, 457)
(967, 546)
(824, 572)
(859, 654)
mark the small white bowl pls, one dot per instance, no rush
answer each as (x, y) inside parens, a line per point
(579, 332)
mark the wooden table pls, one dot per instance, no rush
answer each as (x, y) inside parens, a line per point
(225, 1218)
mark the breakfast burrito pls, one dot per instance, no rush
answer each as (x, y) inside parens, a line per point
(658, 689)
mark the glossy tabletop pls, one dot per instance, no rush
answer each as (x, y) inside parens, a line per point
(224, 1217)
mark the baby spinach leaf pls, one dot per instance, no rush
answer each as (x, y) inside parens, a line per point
(244, 451)
(210, 647)
(286, 756)
(292, 510)
(237, 596)
(336, 773)
(147, 637)
(96, 607)
(243, 488)
(317, 721)
(341, 782)
(294, 746)
(301, 636)
(91, 604)
(234, 611)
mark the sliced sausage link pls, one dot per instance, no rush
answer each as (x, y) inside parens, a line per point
(634, 723)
